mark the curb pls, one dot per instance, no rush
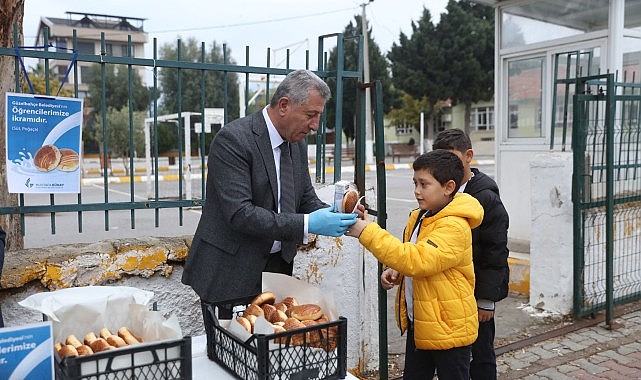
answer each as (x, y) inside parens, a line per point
(519, 264)
(136, 178)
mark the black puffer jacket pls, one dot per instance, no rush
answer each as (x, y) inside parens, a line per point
(489, 240)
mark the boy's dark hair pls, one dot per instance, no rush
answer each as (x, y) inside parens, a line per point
(452, 139)
(443, 165)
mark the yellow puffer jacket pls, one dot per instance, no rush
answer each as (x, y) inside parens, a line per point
(440, 264)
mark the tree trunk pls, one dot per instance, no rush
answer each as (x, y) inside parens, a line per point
(11, 12)
(468, 112)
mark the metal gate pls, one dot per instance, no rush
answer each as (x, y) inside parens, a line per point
(606, 193)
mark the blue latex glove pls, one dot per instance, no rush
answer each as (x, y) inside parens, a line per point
(326, 222)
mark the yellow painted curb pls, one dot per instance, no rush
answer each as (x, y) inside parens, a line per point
(519, 275)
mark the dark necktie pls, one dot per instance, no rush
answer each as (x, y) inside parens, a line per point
(287, 203)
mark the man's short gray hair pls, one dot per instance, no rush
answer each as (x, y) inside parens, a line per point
(298, 85)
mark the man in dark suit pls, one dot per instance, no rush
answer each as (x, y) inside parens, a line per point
(243, 231)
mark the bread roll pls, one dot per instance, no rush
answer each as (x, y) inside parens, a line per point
(252, 321)
(263, 298)
(306, 312)
(84, 350)
(313, 336)
(245, 323)
(350, 200)
(268, 310)
(67, 350)
(281, 306)
(295, 324)
(278, 316)
(89, 338)
(329, 337)
(125, 334)
(289, 302)
(99, 345)
(72, 340)
(116, 341)
(105, 333)
(253, 309)
(323, 319)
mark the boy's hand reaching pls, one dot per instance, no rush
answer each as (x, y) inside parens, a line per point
(361, 222)
(389, 278)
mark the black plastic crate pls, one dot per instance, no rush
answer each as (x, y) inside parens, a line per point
(312, 353)
(150, 361)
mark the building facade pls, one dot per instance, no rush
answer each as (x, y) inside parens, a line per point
(90, 28)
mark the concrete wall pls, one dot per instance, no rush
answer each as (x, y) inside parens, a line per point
(513, 178)
(339, 266)
(551, 255)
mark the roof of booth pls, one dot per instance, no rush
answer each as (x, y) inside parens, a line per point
(577, 14)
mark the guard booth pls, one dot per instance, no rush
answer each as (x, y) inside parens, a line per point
(543, 48)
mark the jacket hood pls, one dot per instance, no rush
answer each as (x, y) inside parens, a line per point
(463, 205)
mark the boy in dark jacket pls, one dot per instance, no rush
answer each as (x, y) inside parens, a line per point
(489, 247)
(490, 253)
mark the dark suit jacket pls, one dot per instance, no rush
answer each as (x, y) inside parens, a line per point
(240, 222)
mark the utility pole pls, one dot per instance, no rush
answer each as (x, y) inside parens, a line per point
(369, 141)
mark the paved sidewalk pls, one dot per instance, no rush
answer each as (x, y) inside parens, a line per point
(591, 352)
(533, 345)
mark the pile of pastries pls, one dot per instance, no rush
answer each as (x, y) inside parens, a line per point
(287, 315)
(92, 343)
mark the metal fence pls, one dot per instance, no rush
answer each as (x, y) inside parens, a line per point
(183, 196)
(606, 143)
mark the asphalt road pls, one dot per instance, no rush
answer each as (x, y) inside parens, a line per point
(42, 230)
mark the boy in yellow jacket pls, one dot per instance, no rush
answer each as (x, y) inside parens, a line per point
(435, 303)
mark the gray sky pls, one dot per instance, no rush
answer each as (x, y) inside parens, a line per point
(259, 24)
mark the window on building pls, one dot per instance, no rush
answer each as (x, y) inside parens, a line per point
(61, 43)
(482, 119)
(525, 96)
(403, 130)
(118, 50)
(125, 53)
(84, 74)
(86, 48)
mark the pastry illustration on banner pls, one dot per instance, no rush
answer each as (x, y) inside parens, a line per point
(44, 136)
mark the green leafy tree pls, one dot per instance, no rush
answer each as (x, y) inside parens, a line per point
(118, 131)
(453, 60)
(409, 112)
(379, 71)
(117, 89)
(191, 94)
(116, 79)
(466, 34)
(416, 63)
